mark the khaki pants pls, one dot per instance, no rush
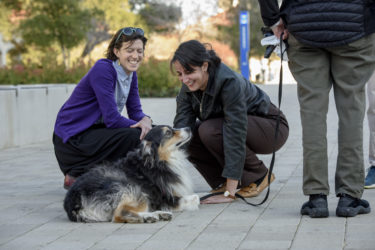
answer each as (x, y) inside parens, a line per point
(346, 69)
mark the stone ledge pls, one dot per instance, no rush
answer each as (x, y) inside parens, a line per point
(28, 112)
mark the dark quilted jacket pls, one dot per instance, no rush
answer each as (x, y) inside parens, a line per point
(323, 23)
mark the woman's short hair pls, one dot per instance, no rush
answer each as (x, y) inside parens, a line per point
(194, 53)
(120, 37)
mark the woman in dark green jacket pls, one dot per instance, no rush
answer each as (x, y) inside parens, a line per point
(232, 120)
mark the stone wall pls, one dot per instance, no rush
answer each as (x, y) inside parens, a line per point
(28, 112)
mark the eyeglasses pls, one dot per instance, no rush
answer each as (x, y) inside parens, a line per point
(128, 31)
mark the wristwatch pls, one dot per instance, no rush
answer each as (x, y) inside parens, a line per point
(227, 194)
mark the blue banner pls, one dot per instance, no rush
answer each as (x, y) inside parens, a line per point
(245, 43)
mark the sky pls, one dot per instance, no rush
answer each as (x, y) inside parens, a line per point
(193, 10)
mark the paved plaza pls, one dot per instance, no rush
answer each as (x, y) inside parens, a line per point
(32, 214)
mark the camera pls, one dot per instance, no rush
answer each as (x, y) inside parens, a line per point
(270, 48)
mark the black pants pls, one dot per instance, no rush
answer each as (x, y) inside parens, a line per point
(207, 153)
(93, 146)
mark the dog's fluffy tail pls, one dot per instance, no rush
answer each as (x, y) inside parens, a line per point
(72, 204)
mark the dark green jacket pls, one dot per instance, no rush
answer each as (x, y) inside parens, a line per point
(228, 95)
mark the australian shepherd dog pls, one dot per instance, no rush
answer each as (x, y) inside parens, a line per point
(145, 186)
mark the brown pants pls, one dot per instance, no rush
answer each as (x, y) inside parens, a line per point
(207, 153)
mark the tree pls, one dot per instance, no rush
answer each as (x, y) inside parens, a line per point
(98, 33)
(11, 12)
(158, 15)
(7, 9)
(231, 33)
(55, 21)
(109, 16)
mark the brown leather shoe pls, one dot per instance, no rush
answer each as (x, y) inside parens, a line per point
(222, 188)
(68, 181)
(253, 190)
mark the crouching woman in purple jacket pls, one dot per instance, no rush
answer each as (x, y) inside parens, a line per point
(89, 128)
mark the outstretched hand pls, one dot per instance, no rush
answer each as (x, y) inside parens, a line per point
(145, 125)
(217, 199)
(231, 186)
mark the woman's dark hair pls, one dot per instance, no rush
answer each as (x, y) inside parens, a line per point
(194, 53)
(117, 41)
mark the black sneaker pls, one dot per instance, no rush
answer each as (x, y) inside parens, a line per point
(349, 206)
(316, 207)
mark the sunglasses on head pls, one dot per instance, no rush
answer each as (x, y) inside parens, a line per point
(128, 31)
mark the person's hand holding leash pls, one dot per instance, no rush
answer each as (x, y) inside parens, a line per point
(145, 125)
(278, 28)
(227, 197)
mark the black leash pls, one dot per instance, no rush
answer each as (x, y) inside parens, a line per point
(276, 134)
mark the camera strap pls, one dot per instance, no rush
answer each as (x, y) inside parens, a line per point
(275, 138)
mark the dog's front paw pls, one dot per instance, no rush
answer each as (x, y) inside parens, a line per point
(149, 217)
(190, 202)
(195, 200)
(165, 216)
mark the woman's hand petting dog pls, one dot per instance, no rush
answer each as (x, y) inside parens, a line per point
(145, 125)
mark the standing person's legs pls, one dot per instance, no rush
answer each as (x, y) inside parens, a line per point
(311, 69)
(371, 117)
(370, 178)
(352, 66)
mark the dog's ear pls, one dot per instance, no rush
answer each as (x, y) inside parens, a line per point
(149, 154)
(149, 148)
(146, 148)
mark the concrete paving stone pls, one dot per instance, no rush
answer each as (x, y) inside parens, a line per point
(319, 239)
(32, 215)
(272, 231)
(286, 203)
(40, 237)
(265, 244)
(129, 236)
(240, 215)
(84, 236)
(286, 216)
(367, 244)
(121, 242)
(361, 232)
(12, 213)
(323, 221)
(40, 216)
(274, 236)
(364, 219)
(183, 229)
(11, 231)
(223, 235)
(291, 189)
(321, 226)
(218, 240)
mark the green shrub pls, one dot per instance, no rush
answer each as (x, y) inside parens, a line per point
(154, 77)
(156, 80)
(46, 73)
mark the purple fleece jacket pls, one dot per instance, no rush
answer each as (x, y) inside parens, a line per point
(93, 98)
